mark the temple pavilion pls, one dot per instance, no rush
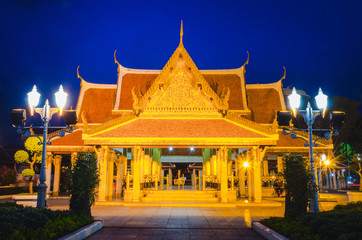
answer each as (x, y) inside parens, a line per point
(180, 134)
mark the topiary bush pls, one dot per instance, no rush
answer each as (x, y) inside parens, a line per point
(83, 181)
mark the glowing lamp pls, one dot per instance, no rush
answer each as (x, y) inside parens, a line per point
(33, 99)
(61, 99)
(294, 101)
(323, 157)
(321, 100)
(192, 149)
(246, 164)
(327, 162)
(170, 148)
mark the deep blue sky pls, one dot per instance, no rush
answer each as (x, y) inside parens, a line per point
(43, 42)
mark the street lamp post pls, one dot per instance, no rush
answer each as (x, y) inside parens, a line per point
(46, 113)
(309, 116)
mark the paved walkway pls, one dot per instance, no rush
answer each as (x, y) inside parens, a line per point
(176, 223)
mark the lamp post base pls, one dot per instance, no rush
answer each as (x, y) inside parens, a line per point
(42, 188)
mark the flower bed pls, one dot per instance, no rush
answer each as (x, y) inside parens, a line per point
(18, 222)
(343, 222)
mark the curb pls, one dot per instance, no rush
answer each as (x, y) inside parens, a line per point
(267, 232)
(84, 232)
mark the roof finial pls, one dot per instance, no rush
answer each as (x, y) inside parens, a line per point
(247, 60)
(181, 32)
(78, 75)
(115, 58)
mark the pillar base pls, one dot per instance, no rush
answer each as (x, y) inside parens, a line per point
(224, 200)
(55, 194)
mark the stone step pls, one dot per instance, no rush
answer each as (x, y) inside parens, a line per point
(180, 204)
(179, 199)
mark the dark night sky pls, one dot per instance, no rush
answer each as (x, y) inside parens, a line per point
(43, 42)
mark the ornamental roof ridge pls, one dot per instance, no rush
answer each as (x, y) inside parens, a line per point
(221, 104)
(111, 123)
(236, 118)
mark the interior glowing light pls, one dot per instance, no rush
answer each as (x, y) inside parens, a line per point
(321, 100)
(170, 148)
(33, 99)
(294, 101)
(61, 99)
(246, 164)
(327, 162)
(323, 157)
(246, 201)
(192, 149)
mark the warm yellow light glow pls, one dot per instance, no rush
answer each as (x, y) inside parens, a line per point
(61, 99)
(327, 162)
(246, 164)
(33, 99)
(323, 157)
(294, 101)
(321, 100)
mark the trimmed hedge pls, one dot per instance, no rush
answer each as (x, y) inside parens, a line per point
(343, 222)
(13, 190)
(18, 222)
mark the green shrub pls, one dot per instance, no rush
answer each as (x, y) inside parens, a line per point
(12, 190)
(298, 185)
(343, 222)
(7, 176)
(19, 222)
(83, 180)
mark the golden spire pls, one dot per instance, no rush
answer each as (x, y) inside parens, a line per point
(247, 60)
(181, 32)
(115, 58)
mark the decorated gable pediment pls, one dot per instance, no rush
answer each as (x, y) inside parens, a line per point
(180, 88)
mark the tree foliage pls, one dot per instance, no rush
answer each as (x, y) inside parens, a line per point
(298, 185)
(83, 181)
(351, 131)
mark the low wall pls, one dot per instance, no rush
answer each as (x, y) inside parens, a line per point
(354, 196)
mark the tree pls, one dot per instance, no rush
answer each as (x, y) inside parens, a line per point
(83, 181)
(29, 157)
(298, 185)
(351, 131)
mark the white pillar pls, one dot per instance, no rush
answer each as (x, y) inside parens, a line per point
(193, 180)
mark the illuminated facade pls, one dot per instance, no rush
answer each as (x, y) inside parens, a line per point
(212, 120)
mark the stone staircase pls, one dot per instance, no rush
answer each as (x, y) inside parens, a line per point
(180, 196)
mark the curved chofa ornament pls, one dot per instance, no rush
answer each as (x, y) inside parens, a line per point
(246, 62)
(82, 81)
(285, 74)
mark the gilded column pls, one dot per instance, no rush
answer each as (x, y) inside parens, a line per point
(256, 174)
(280, 163)
(102, 166)
(110, 173)
(137, 154)
(57, 163)
(119, 161)
(242, 180)
(265, 168)
(169, 177)
(48, 172)
(223, 159)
